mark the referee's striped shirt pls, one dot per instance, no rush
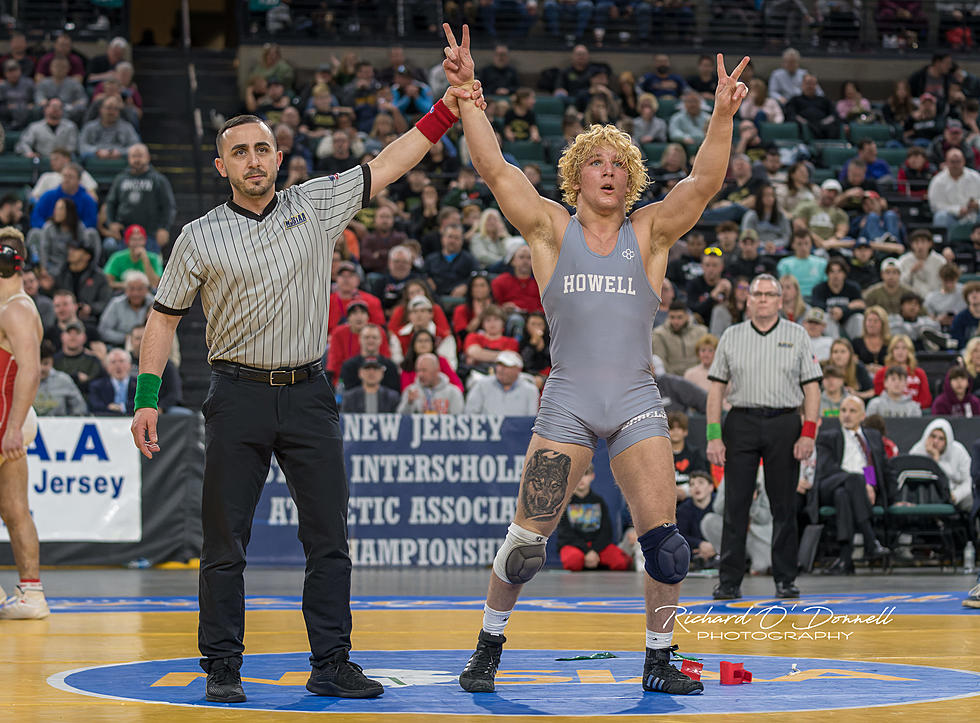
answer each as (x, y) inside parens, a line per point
(766, 369)
(265, 278)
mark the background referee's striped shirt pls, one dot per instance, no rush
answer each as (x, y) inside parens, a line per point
(766, 369)
(265, 278)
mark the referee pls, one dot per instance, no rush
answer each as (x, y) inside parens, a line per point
(771, 369)
(261, 262)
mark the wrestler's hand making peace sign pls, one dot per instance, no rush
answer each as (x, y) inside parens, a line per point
(458, 64)
(730, 92)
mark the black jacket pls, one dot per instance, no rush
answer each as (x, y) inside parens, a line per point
(585, 524)
(353, 401)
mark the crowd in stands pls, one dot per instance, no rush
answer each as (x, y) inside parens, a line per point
(95, 253)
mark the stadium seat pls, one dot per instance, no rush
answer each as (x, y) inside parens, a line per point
(835, 157)
(548, 105)
(16, 170)
(549, 125)
(10, 140)
(526, 151)
(769, 132)
(879, 132)
(667, 107)
(894, 157)
(960, 232)
(652, 152)
(104, 170)
(819, 175)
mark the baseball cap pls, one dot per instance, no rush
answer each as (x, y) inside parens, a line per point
(419, 302)
(889, 264)
(749, 233)
(346, 266)
(357, 304)
(274, 80)
(75, 326)
(11, 64)
(815, 313)
(324, 68)
(510, 359)
(131, 229)
(372, 362)
(831, 184)
(954, 124)
(862, 241)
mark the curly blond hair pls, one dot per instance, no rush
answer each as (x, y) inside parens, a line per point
(585, 144)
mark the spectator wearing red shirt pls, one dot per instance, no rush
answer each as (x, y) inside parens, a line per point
(517, 291)
(915, 173)
(482, 347)
(346, 292)
(344, 341)
(466, 317)
(62, 49)
(414, 288)
(423, 342)
(901, 352)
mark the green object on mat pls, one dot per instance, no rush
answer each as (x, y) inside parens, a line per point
(594, 656)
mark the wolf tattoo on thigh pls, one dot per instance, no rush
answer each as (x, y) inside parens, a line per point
(545, 484)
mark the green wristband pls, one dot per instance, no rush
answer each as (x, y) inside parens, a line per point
(147, 391)
(714, 430)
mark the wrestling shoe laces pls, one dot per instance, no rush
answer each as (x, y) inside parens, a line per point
(478, 675)
(661, 677)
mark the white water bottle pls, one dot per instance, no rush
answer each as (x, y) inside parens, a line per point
(969, 557)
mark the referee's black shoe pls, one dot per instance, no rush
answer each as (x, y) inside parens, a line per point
(478, 675)
(726, 592)
(660, 676)
(340, 678)
(787, 590)
(224, 683)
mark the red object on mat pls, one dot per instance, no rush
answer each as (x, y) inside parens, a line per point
(734, 673)
(692, 669)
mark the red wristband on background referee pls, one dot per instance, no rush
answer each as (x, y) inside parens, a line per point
(809, 429)
(436, 122)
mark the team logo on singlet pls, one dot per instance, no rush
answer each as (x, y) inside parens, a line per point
(628, 254)
(297, 220)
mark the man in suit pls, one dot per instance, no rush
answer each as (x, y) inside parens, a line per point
(370, 397)
(850, 475)
(115, 393)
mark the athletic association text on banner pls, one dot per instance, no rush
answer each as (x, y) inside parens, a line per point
(84, 481)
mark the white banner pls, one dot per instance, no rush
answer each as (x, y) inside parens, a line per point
(84, 481)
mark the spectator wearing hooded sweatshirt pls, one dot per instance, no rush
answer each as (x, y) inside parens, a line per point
(957, 398)
(585, 537)
(431, 392)
(937, 443)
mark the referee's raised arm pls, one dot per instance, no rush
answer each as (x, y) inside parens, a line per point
(405, 152)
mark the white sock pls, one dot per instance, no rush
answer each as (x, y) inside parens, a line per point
(495, 621)
(657, 641)
(31, 586)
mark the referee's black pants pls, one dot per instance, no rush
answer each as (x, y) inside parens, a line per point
(246, 423)
(748, 438)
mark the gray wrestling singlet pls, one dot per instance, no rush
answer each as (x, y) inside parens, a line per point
(600, 311)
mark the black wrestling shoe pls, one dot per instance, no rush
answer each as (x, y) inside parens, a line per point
(726, 592)
(340, 678)
(660, 676)
(224, 682)
(478, 675)
(787, 589)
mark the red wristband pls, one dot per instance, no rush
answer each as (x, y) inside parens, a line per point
(809, 429)
(436, 122)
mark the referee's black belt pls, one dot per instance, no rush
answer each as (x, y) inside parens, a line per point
(766, 411)
(274, 378)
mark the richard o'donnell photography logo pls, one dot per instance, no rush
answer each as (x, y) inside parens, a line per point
(798, 621)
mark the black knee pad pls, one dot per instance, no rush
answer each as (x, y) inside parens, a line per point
(667, 554)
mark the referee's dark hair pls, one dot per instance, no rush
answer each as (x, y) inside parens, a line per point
(241, 120)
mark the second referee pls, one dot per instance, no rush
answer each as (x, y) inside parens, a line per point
(772, 371)
(261, 262)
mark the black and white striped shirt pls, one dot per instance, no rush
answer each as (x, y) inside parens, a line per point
(766, 369)
(265, 278)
